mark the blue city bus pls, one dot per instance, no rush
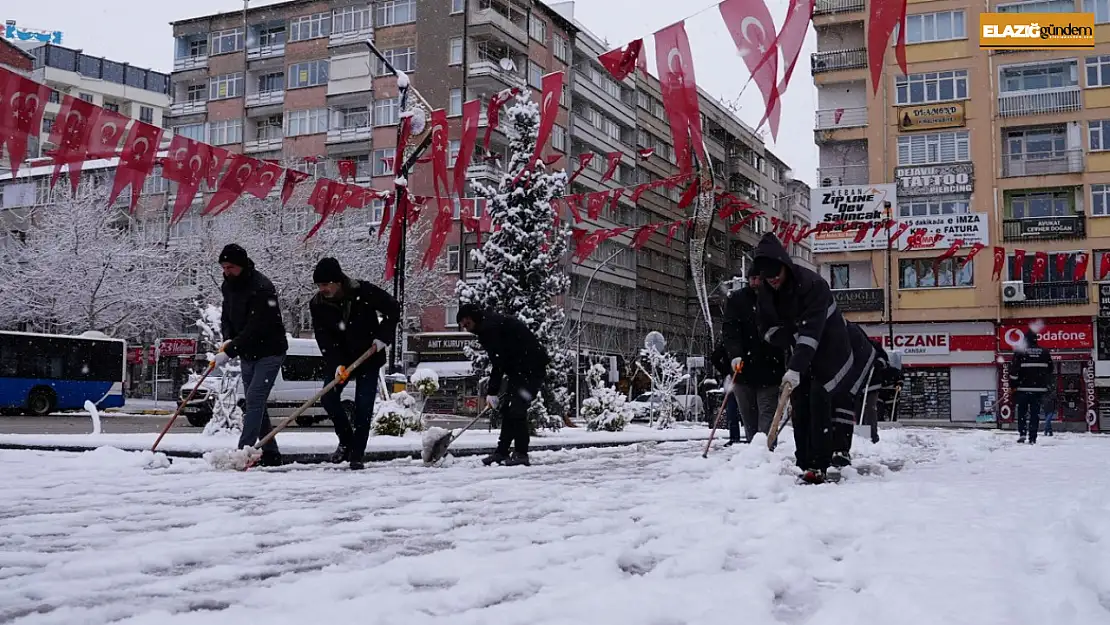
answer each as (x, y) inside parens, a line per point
(44, 373)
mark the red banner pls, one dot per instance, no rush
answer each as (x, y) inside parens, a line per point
(22, 104)
(680, 94)
(1080, 271)
(231, 186)
(71, 133)
(885, 15)
(1054, 335)
(186, 165)
(549, 112)
(595, 202)
(470, 113)
(999, 262)
(611, 168)
(583, 161)
(753, 32)
(216, 159)
(493, 112)
(621, 62)
(176, 347)
(107, 133)
(262, 182)
(136, 160)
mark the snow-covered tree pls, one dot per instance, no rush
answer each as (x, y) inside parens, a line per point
(665, 372)
(520, 261)
(81, 267)
(605, 409)
(226, 414)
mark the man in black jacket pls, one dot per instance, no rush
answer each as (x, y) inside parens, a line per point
(886, 383)
(1030, 375)
(827, 369)
(253, 331)
(517, 358)
(758, 366)
(348, 318)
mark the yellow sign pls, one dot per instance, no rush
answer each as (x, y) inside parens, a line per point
(1037, 31)
(928, 116)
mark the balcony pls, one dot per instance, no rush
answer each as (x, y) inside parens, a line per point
(1059, 100)
(1045, 228)
(354, 133)
(821, 62)
(833, 7)
(265, 144)
(831, 119)
(185, 63)
(492, 71)
(346, 37)
(859, 300)
(842, 175)
(266, 98)
(267, 51)
(1054, 293)
(488, 172)
(189, 108)
(483, 19)
(1042, 163)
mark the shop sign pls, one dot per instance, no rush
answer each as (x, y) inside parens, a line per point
(441, 347)
(935, 179)
(939, 232)
(176, 347)
(1050, 227)
(1052, 336)
(929, 116)
(1005, 402)
(850, 205)
(1104, 300)
(1092, 401)
(920, 344)
(859, 300)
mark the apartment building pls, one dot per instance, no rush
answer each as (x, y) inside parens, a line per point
(14, 58)
(1007, 148)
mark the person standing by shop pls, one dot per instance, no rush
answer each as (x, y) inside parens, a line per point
(1029, 374)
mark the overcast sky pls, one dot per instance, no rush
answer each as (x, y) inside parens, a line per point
(138, 32)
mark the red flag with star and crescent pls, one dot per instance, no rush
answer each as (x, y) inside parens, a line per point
(187, 165)
(999, 262)
(263, 180)
(231, 186)
(678, 85)
(470, 113)
(71, 132)
(1080, 271)
(22, 104)
(621, 62)
(136, 160)
(753, 32)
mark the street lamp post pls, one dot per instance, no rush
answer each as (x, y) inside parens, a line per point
(578, 348)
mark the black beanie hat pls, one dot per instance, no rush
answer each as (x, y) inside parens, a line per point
(469, 311)
(327, 270)
(234, 253)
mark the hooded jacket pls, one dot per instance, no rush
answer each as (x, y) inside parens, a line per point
(764, 364)
(251, 317)
(802, 315)
(346, 327)
(1031, 370)
(885, 378)
(513, 350)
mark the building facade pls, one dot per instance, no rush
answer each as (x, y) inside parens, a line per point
(1003, 148)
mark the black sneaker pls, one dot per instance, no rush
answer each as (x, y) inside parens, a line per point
(1021, 439)
(518, 460)
(270, 459)
(1032, 440)
(357, 465)
(731, 443)
(340, 455)
(875, 440)
(497, 457)
(841, 459)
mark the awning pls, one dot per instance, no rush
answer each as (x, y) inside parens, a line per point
(449, 369)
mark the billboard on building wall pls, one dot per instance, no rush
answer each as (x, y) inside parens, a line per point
(848, 205)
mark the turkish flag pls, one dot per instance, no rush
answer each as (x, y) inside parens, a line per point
(790, 40)
(643, 234)
(884, 16)
(136, 160)
(71, 133)
(396, 236)
(753, 32)
(583, 161)
(975, 249)
(326, 199)
(639, 190)
(217, 157)
(646, 153)
(672, 230)
(679, 88)
(1079, 274)
(239, 173)
(595, 202)
(318, 199)
(22, 103)
(614, 200)
(1061, 265)
(384, 224)
(621, 62)
(187, 165)
(1103, 266)
(470, 112)
(263, 180)
(346, 169)
(441, 184)
(289, 184)
(1040, 266)
(549, 111)
(573, 204)
(493, 112)
(440, 226)
(108, 131)
(689, 195)
(1019, 263)
(999, 262)
(611, 168)
(737, 227)
(469, 220)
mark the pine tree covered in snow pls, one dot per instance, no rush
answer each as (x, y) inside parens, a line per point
(520, 261)
(665, 372)
(606, 408)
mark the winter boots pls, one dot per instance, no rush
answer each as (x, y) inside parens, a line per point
(841, 459)
(813, 476)
(340, 455)
(499, 457)
(357, 465)
(270, 459)
(518, 460)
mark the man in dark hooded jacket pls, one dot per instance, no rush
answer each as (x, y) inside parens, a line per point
(253, 331)
(517, 359)
(758, 366)
(1030, 375)
(348, 318)
(827, 368)
(886, 383)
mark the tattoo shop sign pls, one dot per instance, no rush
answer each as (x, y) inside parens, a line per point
(939, 232)
(848, 205)
(935, 180)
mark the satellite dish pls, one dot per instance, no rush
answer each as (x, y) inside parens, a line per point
(507, 64)
(655, 341)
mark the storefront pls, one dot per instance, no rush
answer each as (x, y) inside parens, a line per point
(948, 369)
(1073, 395)
(1102, 357)
(445, 354)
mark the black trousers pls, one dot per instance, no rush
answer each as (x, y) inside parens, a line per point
(811, 409)
(516, 432)
(1028, 407)
(845, 411)
(366, 392)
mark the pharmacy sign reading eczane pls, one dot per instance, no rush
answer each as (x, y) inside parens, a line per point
(848, 205)
(935, 180)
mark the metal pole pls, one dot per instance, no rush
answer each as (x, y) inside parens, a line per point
(578, 349)
(889, 282)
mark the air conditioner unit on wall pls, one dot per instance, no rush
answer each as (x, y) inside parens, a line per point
(1013, 291)
(831, 181)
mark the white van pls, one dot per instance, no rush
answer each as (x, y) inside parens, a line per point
(302, 375)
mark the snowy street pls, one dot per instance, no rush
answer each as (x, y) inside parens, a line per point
(973, 529)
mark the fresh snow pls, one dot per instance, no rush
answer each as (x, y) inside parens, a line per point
(94, 414)
(974, 530)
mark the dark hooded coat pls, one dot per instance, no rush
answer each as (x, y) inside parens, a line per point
(513, 350)
(802, 315)
(1031, 370)
(764, 364)
(345, 328)
(251, 317)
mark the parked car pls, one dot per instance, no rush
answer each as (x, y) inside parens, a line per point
(301, 376)
(689, 407)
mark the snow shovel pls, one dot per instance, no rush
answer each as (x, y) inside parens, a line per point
(720, 413)
(435, 450)
(780, 411)
(211, 367)
(243, 459)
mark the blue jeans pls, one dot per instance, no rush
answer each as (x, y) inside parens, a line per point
(258, 378)
(366, 391)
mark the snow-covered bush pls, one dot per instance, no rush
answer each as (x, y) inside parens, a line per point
(397, 415)
(425, 381)
(227, 417)
(606, 408)
(665, 372)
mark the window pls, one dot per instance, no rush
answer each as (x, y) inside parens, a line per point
(1040, 203)
(456, 55)
(559, 138)
(932, 206)
(927, 273)
(1037, 77)
(310, 26)
(563, 97)
(377, 210)
(535, 75)
(931, 87)
(386, 111)
(1100, 199)
(353, 117)
(47, 126)
(350, 19)
(452, 259)
(310, 122)
(269, 83)
(271, 36)
(111, 106)
(146, 114)
(562, 48)
(226, 86)
(933, 148)
(1098, 71)
(310, 74)
(393, 12)
(383, 161)
(403, 59)
(1101, 9)
(1036, 143)
(839, 277)
(537, 28)
(941, 26)
(225, 41)
(192, 131)
(458, 6)
(454, 106)
(88, 97)
(225, 132)
(195, 93)
(1025, 272)
(452, 311)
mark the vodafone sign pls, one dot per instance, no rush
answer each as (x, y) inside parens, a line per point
(1053, 336)
(920, 343)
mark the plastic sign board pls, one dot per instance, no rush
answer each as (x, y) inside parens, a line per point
(1037, 31)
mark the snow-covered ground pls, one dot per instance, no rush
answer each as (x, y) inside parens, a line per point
(973, 529)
